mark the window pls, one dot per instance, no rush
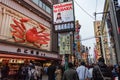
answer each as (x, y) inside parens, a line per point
(48, 9)
(44, 6)
(61, 1)
(35, 1)
(40, 3)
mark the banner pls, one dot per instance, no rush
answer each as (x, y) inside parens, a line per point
(63, 12)
(97, 28)
(65, 44)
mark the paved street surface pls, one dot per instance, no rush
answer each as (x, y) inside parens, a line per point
(45, 77)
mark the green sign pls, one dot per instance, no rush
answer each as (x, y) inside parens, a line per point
(65, 44)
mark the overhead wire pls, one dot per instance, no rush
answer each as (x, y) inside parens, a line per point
(96, 9)
(84, 10)
(93, 37)
(96, 6)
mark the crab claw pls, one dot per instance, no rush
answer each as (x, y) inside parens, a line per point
(42, 27)
(24, 19)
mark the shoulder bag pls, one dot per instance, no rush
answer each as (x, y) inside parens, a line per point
(104, 78)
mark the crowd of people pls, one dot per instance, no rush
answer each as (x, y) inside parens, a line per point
(56, 71)
(98, 71)
(26, 71)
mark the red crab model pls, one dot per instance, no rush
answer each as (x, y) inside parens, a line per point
(21, 34)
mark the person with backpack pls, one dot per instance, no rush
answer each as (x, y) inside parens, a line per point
(33, 73)
(39, 71)
(24, 72)
(101, 71)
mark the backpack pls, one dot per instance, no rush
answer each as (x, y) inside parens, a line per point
(104, 77)
(32, 75)
(24, 71)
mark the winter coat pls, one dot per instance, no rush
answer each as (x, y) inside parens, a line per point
(106, 72)
(70, 74)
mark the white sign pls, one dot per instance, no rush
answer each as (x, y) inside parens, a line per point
(65, 47)
(63, 12)
(27, 51)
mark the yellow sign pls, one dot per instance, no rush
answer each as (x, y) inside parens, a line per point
(78, 46)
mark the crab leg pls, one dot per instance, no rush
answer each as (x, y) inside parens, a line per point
(37, 45)
(46, 38)
(23, 26)
(42, 42)
(42, 28)
(17, 35)
(44, 34)
(21, 41)
(18, 24)
(15, 28)
(24, 19)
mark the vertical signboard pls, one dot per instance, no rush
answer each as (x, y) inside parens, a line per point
(97, 28)
(65, 47)
(117, 8)
(63, 16)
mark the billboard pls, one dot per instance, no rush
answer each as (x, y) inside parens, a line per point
(24, 31)
(63, 16)
(65, 47)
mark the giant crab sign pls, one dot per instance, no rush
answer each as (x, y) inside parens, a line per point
(21, 34)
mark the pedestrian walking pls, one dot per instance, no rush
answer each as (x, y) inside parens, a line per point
(33, 74)
(101, 71)
(58, 73)
(24, 72)
(116, 72)
(82, 71)
(70, 73)
(91, 71)
(39, 71)
(51, 71)
(19, 73)
(5, 71)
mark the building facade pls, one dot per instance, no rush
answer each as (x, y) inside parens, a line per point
(115, 26)
(26, 31)
(110, 33)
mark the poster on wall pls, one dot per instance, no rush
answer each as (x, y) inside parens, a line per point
(65, 47)
(63, 16)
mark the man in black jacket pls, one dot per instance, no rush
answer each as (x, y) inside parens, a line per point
(101, 71)
(51, 71)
